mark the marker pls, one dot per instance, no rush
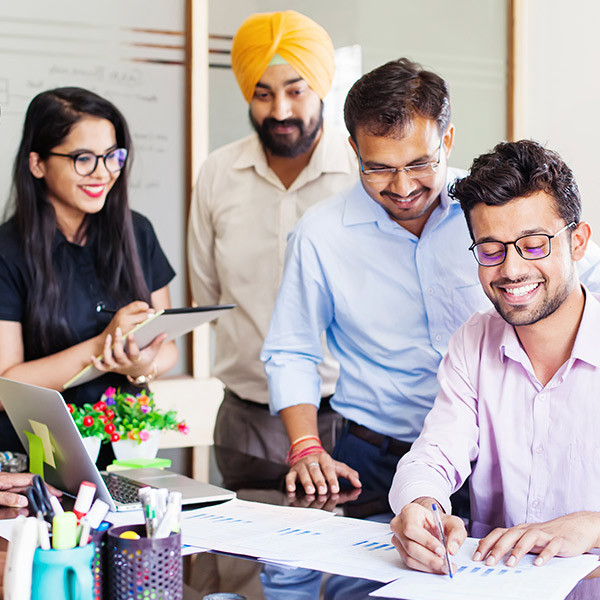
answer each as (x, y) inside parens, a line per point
(438, 521)
(64, 531)
(92, 520)
(85, 497)
(129, 535)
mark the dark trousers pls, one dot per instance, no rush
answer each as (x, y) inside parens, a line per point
(376, 466)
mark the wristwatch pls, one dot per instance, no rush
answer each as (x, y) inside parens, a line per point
(141, 380)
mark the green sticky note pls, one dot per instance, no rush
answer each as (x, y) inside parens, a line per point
(36, 454)
(141, 463)
(41, 430)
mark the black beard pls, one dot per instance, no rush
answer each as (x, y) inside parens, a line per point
(278, 145)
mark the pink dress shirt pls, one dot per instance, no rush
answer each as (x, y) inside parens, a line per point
(535, 449)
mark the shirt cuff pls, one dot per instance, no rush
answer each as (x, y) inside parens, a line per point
(401, 495)
(292, 382)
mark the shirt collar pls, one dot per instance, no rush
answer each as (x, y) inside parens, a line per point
(585, 347)
(329, 156)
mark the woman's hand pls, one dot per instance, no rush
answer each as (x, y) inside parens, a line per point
(123, 355)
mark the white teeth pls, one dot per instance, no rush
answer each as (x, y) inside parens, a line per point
(521, 291)
(93, 188)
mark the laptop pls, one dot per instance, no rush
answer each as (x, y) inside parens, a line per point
(66, 462)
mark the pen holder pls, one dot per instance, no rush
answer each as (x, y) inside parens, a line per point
(99, 562)
(63, 574)
(143, 569)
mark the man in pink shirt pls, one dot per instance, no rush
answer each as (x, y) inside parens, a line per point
(518, 406)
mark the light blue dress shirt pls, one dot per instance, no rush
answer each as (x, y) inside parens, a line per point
(388, 301)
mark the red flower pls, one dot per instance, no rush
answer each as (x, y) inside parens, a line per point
(115, 437)
(71, 408)
(183, 428)
(99, 406)
(110, 413)
(102, 418)
(88, 421)
(110, 428)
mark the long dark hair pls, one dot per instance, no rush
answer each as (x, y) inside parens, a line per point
(49, 120)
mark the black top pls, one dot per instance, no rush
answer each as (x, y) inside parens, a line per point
(75, 267)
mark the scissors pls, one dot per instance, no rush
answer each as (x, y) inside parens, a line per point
(39, 499)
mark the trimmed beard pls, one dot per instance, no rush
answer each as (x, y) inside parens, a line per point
(279, 145)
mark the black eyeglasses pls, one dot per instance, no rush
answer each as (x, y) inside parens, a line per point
(85, 163)
(529, 247)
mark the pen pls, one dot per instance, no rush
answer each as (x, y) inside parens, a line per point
(101, 308)
(438, 521)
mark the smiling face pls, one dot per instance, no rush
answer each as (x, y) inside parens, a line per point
(285, 112)
(407, 201)
(527, 291)
(74, 196)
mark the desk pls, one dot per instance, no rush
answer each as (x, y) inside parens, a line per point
(262, 481)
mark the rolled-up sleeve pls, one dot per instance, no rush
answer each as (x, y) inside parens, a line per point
(303, 310)
(440, 459)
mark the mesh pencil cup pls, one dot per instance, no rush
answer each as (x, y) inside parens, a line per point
(143, 569)
(99, 562)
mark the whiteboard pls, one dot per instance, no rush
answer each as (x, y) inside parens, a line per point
(129, 51)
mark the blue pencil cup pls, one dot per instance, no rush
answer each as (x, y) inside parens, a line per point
(63, 574)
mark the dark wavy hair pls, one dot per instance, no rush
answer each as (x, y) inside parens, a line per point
(50, 118)
(388, 98)
(517, 170)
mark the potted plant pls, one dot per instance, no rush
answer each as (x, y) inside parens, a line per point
(131, 423)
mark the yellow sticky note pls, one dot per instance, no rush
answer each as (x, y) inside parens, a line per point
(36, 454)
(43, 433)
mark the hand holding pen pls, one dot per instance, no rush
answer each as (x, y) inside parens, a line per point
(123, 355)
(417, 536)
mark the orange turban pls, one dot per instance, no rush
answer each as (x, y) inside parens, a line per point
(301, 42)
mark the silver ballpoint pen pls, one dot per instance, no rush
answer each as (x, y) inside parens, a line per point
(440, 527)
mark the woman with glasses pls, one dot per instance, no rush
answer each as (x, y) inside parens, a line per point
(72, 247)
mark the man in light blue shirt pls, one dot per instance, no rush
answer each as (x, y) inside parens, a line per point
(384, 269)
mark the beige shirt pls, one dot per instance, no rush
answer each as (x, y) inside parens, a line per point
(240, 218)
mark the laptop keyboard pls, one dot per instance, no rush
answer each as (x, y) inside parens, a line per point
(121, 489)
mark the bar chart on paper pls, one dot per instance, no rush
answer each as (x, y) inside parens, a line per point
(476, 580)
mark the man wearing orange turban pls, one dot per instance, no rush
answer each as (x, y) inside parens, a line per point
(248, 197)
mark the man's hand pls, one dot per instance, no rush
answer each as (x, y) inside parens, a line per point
(320, 472)
(570, 535)
(416, 536)
(12, 486)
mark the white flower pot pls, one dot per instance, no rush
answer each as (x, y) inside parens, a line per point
(128, 449)
(92, 445)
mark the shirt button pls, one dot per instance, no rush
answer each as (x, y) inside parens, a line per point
(539, 449)
(430, 291)
(541, 397)
(535, 503)
(438, 338)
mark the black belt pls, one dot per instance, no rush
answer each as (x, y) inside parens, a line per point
(323, 407)
(384, 442)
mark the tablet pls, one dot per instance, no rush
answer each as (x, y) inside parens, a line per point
(172, 321)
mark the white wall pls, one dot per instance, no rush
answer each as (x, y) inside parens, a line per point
(465, 41)
(561, 88)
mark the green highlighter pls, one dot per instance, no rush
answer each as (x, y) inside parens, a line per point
(64, 531)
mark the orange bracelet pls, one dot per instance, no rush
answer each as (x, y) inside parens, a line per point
(304, 438)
